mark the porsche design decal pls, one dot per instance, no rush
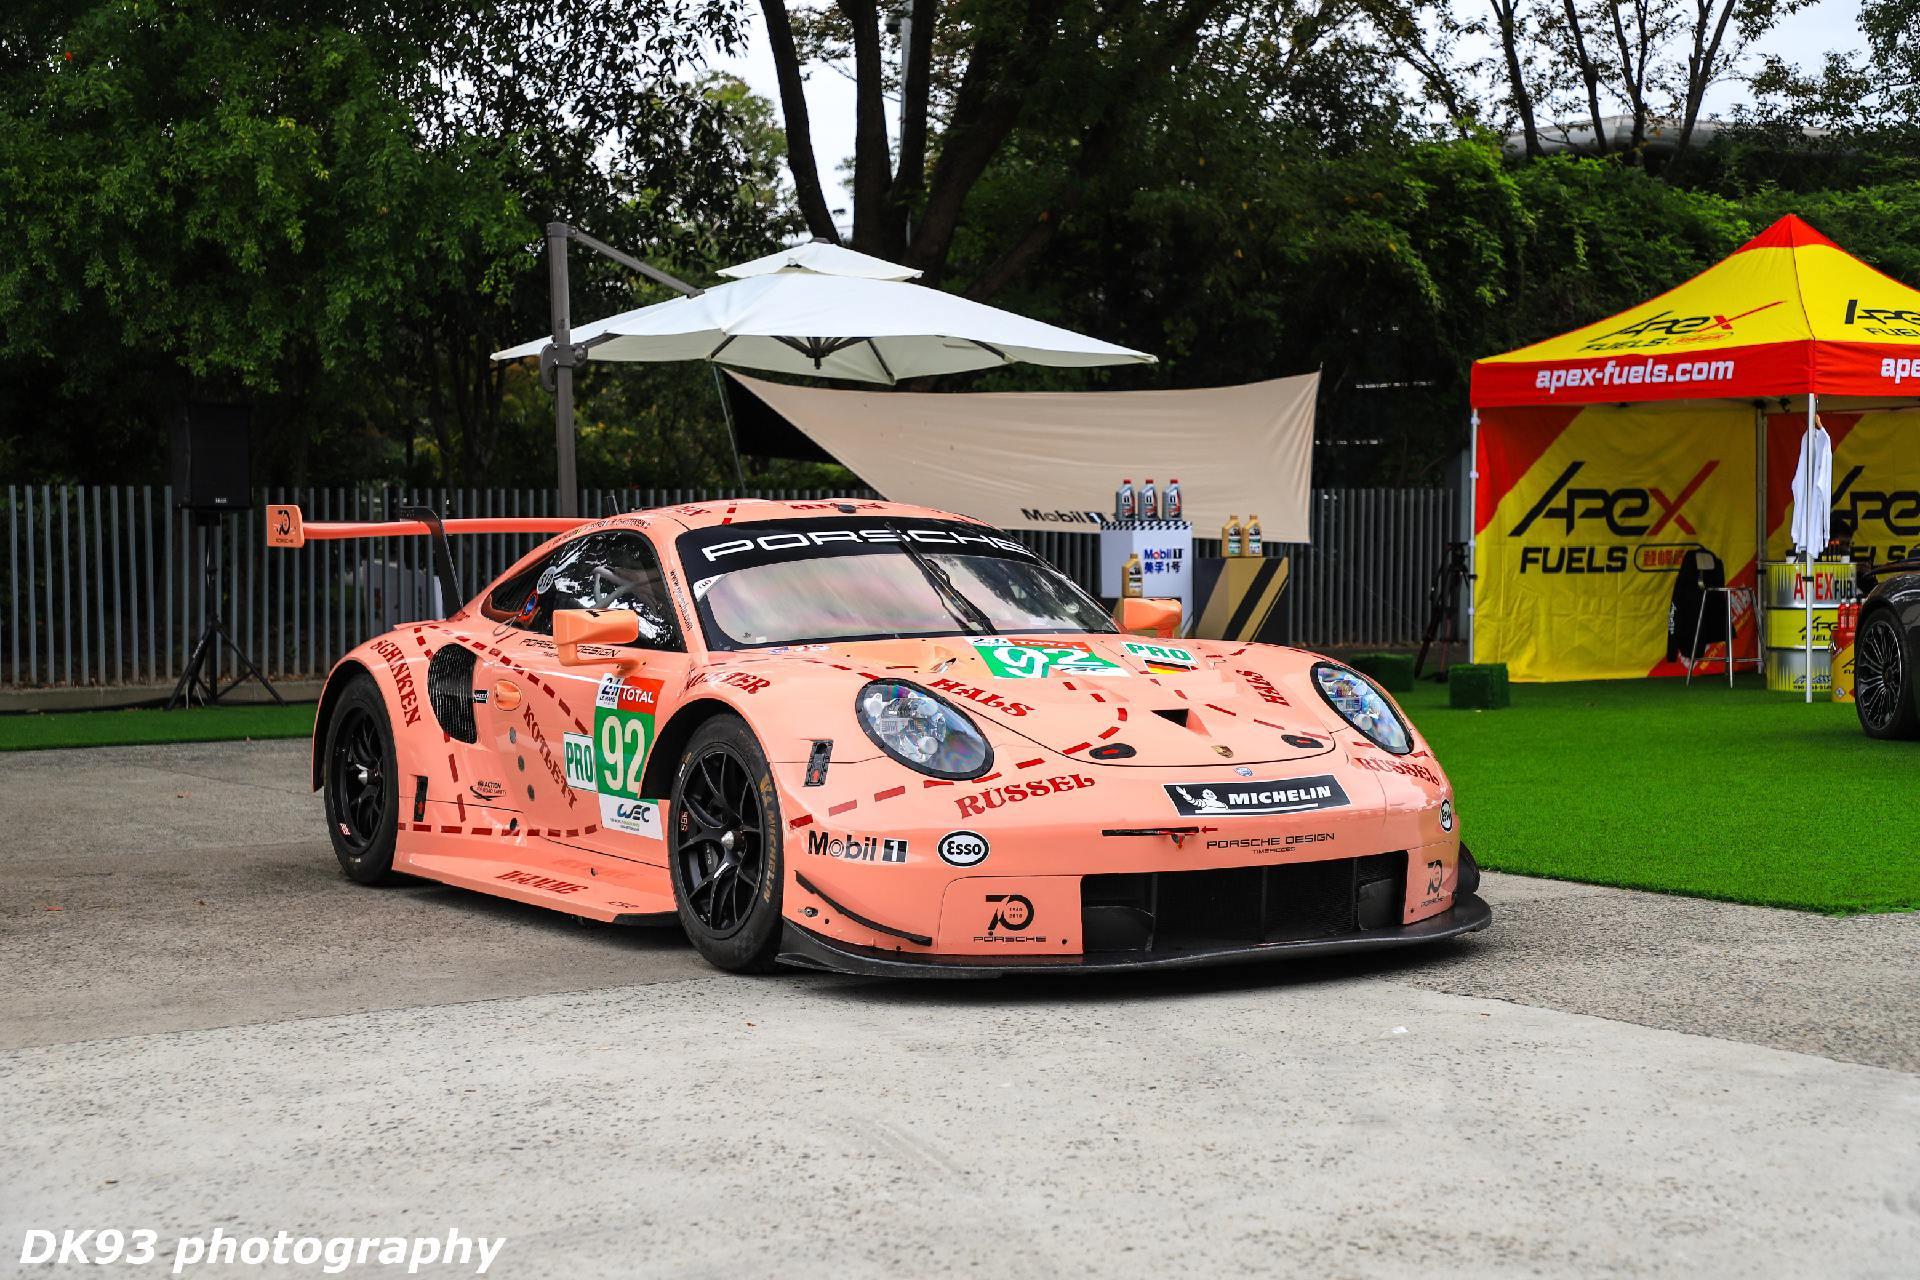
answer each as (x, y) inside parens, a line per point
(1039, 659)
(1285, 795)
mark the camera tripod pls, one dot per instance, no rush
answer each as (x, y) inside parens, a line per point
(201, 679)
(1443, 609)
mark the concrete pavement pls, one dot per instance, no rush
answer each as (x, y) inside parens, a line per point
(209, 1026)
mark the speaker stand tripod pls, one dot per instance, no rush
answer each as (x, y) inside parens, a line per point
(1443, 610)
(202, 677)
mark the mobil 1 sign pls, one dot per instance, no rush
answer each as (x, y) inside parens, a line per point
(1165, 548)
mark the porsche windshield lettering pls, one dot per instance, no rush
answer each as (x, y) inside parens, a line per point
(789, 582)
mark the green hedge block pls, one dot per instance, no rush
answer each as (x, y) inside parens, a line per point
(1391, 671)
(1477, 686)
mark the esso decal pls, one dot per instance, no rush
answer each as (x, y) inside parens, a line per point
(963, 849)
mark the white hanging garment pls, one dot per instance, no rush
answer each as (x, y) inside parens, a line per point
(1813, 491)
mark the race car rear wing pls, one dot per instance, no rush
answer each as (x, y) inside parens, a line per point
(287, 528)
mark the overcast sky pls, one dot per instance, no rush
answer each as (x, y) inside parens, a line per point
(1803, 37)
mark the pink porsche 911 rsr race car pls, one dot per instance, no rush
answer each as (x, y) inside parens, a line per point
(876, 738)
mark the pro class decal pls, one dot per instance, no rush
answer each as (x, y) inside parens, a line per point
(1038, 659)
(581, 765)
(1286, 795)
(1162, 659)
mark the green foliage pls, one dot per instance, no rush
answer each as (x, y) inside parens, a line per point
(334, 215)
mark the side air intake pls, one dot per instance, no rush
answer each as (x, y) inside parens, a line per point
(450, 691)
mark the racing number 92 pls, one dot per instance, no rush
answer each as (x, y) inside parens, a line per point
(623, 752)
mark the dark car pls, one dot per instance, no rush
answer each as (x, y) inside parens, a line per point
(1885, 651)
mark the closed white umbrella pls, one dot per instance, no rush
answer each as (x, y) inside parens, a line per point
(863, 322)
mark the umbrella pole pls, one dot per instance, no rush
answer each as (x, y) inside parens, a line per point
(1806, 469)
(733, 437)
(568, 483)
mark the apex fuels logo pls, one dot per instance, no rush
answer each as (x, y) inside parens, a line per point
(1630, 511)
(1664, 327)
(1895, 510)
(1884, 322)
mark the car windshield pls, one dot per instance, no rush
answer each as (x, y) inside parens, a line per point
(813, 581)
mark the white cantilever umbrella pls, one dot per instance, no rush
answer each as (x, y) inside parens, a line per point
(824, 310)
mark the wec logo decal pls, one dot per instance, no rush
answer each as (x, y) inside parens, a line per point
(1622, 510)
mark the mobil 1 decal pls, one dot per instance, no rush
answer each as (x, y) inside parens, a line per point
(613, 758)
(1039, 659)
(1283, 795)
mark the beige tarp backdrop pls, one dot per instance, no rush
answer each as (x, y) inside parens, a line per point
(1052, 460)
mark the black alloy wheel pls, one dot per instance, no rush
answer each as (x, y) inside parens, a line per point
(362, 784)
(1883, 680)
(726, 847)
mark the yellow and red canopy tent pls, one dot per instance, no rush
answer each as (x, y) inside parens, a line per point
(1602, 457)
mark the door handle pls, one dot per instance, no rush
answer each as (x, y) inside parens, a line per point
(506, 694)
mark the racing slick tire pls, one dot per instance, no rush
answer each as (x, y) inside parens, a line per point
(1883, 679)
(724, 848)
(361, 782)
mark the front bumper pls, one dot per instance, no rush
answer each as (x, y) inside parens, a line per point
(805, 949)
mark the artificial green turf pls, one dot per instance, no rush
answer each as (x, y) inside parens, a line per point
(110, 728)
(1738, 794)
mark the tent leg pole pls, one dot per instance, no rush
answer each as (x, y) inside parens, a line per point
(1473, 521)
(568, 481)
(733, 437)
(1806, 464)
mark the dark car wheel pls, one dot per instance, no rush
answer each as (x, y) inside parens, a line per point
(362, 784)
(1883, 680)
(725, 842)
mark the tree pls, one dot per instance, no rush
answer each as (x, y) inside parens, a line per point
(986, 67)
(336, 216)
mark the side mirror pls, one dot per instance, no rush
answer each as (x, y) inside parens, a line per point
(1139, 616)
(575, 627)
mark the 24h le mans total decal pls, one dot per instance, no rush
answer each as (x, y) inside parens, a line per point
(614, 758)
(1038, 659)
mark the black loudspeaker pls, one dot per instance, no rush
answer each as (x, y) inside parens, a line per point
(212, 461)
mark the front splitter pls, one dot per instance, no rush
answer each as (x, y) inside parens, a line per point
(806, 949)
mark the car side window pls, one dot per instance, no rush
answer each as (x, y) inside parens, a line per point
(618, 569)
(517, 600)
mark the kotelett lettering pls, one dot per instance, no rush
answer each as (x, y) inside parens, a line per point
(1287, 795)
(856, 848)
(1630, 511)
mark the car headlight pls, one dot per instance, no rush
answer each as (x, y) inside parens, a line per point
(922, 731)
(1363, 706)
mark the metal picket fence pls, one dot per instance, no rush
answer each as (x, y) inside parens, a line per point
(103, 584)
